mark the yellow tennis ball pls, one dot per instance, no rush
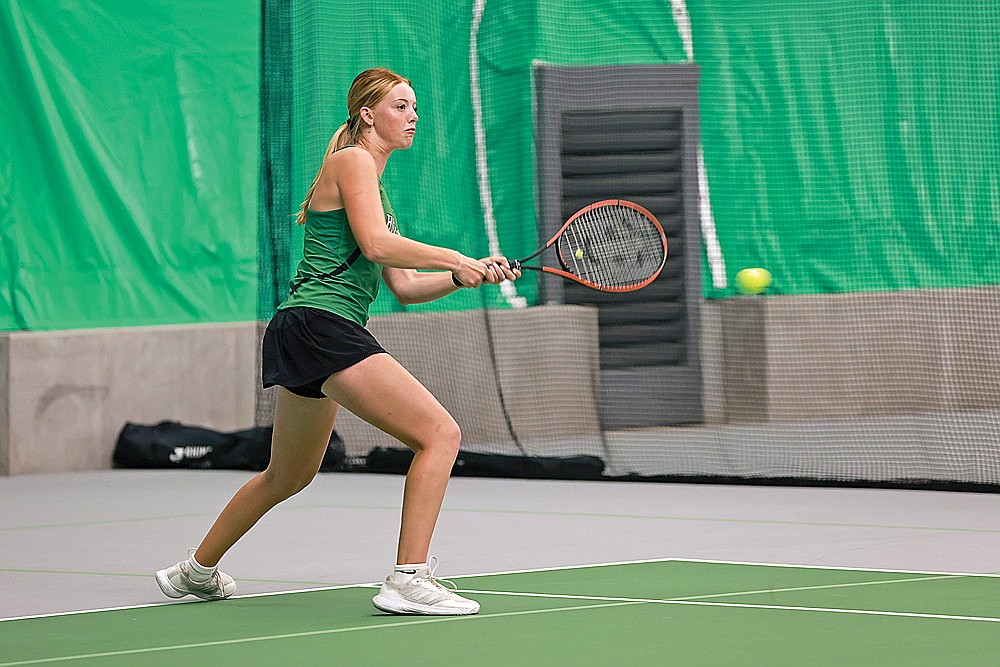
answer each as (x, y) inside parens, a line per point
(579, 253)
(753, 281)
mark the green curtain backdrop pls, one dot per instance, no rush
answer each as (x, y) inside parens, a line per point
(849, 146)
(128, 185)
(853, 146)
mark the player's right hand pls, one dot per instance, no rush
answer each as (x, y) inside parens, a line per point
(470, 272)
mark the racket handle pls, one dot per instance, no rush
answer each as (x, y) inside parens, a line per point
(515, 265)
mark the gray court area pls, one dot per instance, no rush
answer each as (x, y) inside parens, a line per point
(89, 540)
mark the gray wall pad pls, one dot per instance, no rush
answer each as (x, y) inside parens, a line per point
(68, 393)
(888, 386)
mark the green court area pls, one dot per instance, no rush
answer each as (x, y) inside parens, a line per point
(655, 612)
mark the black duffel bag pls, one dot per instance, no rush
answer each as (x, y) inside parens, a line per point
(474, 464)
(174, 445)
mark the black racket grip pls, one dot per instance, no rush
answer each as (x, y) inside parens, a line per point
(515, 265)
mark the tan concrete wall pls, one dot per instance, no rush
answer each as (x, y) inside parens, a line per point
(4, 406)
(65, 395)
(846, 355)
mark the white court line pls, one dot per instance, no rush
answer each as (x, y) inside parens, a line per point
(524, 571)
(605, 603)
(741, 605)
(313, 633)
(720, 595)
(834, 567)
(176, 602)
(564, 567)
(725, 562)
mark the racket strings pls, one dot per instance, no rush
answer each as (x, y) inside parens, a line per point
(613, 245)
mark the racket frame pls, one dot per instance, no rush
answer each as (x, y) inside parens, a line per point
(519, 264)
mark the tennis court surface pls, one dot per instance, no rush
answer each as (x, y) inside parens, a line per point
(654, 612)
(568, 573)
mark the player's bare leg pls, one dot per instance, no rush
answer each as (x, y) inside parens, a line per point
(383, 393)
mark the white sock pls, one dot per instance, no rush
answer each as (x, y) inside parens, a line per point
(199, 571)
(404, 572)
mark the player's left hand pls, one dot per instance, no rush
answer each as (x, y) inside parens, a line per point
(498, 270)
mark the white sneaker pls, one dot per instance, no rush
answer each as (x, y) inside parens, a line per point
(423, 594)
(176, 582)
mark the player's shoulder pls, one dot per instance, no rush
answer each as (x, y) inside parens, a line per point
(352, 157)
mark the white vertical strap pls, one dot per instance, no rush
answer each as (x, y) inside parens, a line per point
(716, 262)
(507, 289)
(683, 23)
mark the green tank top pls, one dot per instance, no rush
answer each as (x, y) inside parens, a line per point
(333, 274)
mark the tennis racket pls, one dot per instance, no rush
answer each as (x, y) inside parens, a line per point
(611, 245)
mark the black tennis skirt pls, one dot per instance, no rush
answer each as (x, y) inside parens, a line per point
(304, 346)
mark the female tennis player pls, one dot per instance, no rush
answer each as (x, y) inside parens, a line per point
(318, 353)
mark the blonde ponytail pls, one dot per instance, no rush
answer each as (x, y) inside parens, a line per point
(343, 130)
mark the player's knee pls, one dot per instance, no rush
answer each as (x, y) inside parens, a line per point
(451, 440)
(444, 440)
(286, 485)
